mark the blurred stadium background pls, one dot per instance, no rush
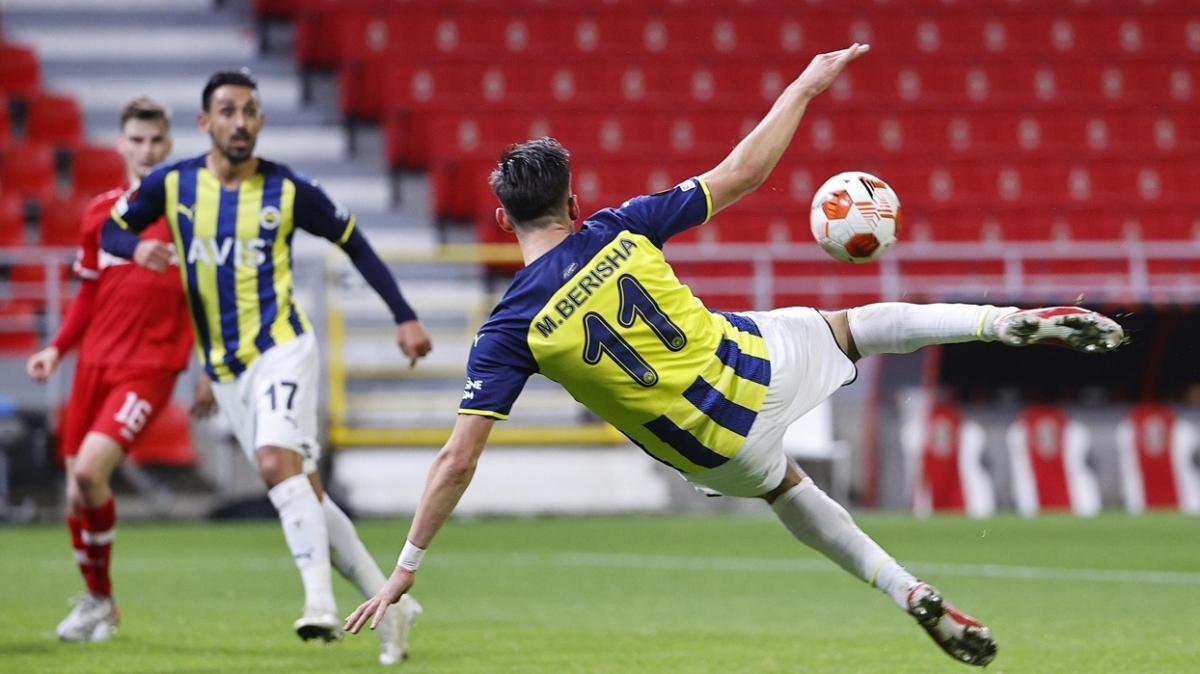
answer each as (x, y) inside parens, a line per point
(1045, 153)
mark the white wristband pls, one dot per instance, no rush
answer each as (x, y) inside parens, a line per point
(410, 556)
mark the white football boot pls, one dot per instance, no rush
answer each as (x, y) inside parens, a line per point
(394, 628)
(94, 618)
(1071, 327)
(962, 637)
(319, 624)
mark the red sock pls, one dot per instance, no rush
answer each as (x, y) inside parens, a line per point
(81, 558)
(97, 536)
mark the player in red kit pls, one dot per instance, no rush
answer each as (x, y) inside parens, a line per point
(132, 330)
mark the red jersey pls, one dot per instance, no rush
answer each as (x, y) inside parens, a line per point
(138, 318)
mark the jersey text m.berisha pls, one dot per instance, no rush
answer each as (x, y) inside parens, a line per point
(604, 315)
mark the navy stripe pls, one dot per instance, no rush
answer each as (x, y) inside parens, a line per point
(685, 443)
(648, 452)
(750, 368)
(740, 322)
(187, 198)
(293, 314)
(227, 212)
(268, 306)
(719, 408)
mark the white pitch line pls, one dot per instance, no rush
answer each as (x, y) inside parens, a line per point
(277, 563)
(777, 565)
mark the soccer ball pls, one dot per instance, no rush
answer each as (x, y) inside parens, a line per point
(855, 216)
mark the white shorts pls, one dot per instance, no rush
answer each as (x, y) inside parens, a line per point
(807, 366)
(273, 403)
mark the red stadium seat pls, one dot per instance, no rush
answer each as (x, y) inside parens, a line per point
(60, 223)
(28, 169)
(167, 441)
(54, 118)
(5, 123)
(96, 169)
(18, 327)
(19, 71)
(12, 220)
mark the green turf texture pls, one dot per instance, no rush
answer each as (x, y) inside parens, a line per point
(628, 595)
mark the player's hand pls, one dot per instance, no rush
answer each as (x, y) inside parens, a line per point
(413, 340)
(825, 68)
(400, 582)
(153, 255)
(204, 403)
(42, 364)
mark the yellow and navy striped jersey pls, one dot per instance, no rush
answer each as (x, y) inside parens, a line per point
(604, 315)
(235, 251)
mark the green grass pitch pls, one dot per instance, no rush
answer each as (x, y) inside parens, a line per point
(630, 595)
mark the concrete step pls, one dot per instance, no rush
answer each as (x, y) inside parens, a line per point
(134, 43)
(291, 145)
(115, 6)
(111, 14)
(179, 91)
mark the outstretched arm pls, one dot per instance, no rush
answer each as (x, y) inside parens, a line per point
(449, 476)
(317, 214)
(410, 335)
(749, 164)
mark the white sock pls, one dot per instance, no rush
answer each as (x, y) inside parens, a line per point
(896, 327)
(349, 555)
(304, 529)
(820, 523)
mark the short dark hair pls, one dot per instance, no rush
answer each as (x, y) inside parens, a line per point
(532, 178)
(146, 109)
(241, 78)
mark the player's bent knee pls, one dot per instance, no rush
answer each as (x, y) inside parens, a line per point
(276, 464)
(839, 323)
(92, 468)
(87, 480)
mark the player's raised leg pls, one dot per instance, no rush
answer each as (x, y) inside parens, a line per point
(92, 520)
(351, 558)
(822, 524)
(896, 327)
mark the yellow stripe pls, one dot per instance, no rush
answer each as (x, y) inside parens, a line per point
(349, 230)
(171, 210)
(707, 199)
(483, 413)
(982, 321)
(245, 279)
(208, 203)
(118, 219)
(281, 253)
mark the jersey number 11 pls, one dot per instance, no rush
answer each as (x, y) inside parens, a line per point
(600, 338)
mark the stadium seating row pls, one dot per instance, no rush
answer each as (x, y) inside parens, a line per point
(56, 221)
(371, 89)
(431, 137)
(29, 169)
(326, 39)
(291, 9)
(460, 189)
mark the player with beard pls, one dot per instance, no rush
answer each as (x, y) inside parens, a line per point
(232, 216)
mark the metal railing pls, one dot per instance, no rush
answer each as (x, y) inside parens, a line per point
(1131, 272)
